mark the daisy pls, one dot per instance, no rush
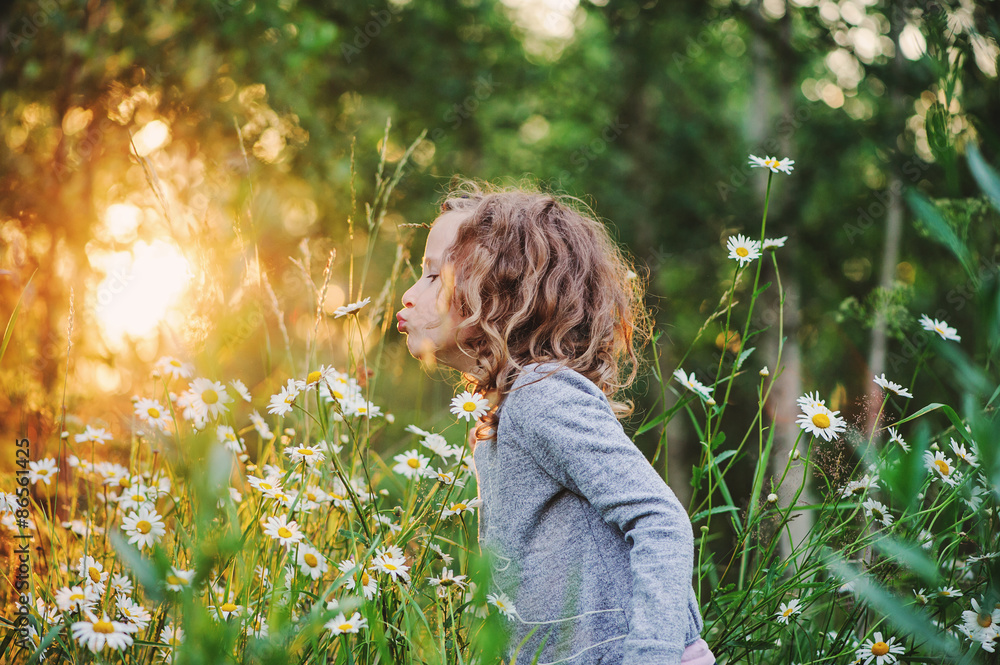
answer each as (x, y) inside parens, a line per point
(877, 511)
(178, 578)
(92, 572)
(227, 436)
(144, 527)
(76, 599)
(393, 528)
(743, 249)
(461, 508)
(133, 613)
(340, 624)
(471, 406)
(171, 636)
(960, 451)
(776, 165)
(241, 390)
(174, 368)
(980, 624)
(226, 610)
(948, 592)
(207, 398)
(412, 463)
(137, 496)
(281, 403)
(257, 626)
(311, 455)
(894, 437)
(356, 405)
(350, 309)
(857, 487)
(94, 435)
(121, 585)
(42, 470)
(447, 477)
(394, 566)
(311, 562)
(437, 444)
(324, 374)
(340, 388)
(96, 634)
(368, 583)
(921, 596)
(447, 558)
(285, 532)
(810, 400)
(940, 327)
(885, 384)
(785, 612)
(883, 653)
(261, 426)
(942, 467)
(820, 421)
(152, 413)
(773, 243)
(502, 603)
(446, 582)
(264, 485)
(692, 383)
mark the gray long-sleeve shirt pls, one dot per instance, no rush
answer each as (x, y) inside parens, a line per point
(589, 542)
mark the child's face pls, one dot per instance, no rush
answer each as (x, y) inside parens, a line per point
(427, 317)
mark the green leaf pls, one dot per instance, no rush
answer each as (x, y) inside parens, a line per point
(984, 174)
(939, 228)
(13, 317)
(743, 356)
(911, 556)
(714, 511)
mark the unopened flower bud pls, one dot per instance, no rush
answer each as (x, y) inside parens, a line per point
(794, 454)
(704, 529)
(763, 371)
(710, 401)
(384, 492)
(935, 446)
(772, 497)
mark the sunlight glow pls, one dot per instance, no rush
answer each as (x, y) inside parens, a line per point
(140, 287)
(152, 136)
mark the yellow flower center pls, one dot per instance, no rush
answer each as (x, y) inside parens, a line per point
(821, 420)
(311, 560)
(94, 574)
(142, 526)
(458, 506)
(228, 607)
(78, 596)
(345, 626)
(880, 648)
(945, 592)
(413, 463)
(284, 533)
(289, 399)
(469, 406)
(389, 566)
(311, 496)
(173, 579)
(313, 377)
(210, 396)
(365, 579)
(939, 331)
(788, 612)
(942, 466)
(742, 251)
(265, 486)
(985, 620)
(447, 581)
(43, 472)
(338, 394)
(877, 514)
(305, 451)
(175, 363)
(124, 482)
(153, 412)
(103, 627)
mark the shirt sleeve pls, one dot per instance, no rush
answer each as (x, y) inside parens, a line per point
(566, 424)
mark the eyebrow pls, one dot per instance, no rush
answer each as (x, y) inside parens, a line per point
(428, 262)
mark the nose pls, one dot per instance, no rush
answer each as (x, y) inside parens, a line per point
(408, 297)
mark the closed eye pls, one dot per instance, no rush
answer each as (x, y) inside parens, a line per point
(432, 277)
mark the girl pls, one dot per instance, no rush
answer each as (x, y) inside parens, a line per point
(535, 304)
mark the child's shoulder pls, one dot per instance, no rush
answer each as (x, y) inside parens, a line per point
(539, 380)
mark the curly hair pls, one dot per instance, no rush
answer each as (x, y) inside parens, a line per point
(538, 278)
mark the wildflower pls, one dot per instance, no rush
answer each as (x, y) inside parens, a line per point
(412, 463)
(42, 470)
(134, 613)
(776, 165)
(92, 572)
(447, 558)
(940, 327)
(810, 400)
(502, 603)
(960, 451)
(69, 599)
(171, 636)
(461, 508)
(391, 562)
(256, 625)
(692, 383)
(94, 435)
(204, 399)
(178, 578)
(942, 467)
(324, 374)
(226, 609)
(96, 634)
(261, 426)
(285, 532)
(948, 592)
(152, 413)
(121, 585)
(340, 624)
(241, 390)
(356, 405)
(368, 583)
(764, 372)
(471, 406)
(281, 403)
(856, 487)
(350, 309)
(311, 562)
(921, 596)
(883, 653)
(393, 528)
(773, 243)
(267, 486)
(981, 625)
(438, 445)
(311, 455)
(743, 249)
(885, 384)
(820, 421)
(785, 612)
(144, 527)
(894, 437)
(446, 582)
(173, 367)
(877, 511)
(772, 498)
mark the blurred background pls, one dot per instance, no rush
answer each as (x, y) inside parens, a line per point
(166, 166)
